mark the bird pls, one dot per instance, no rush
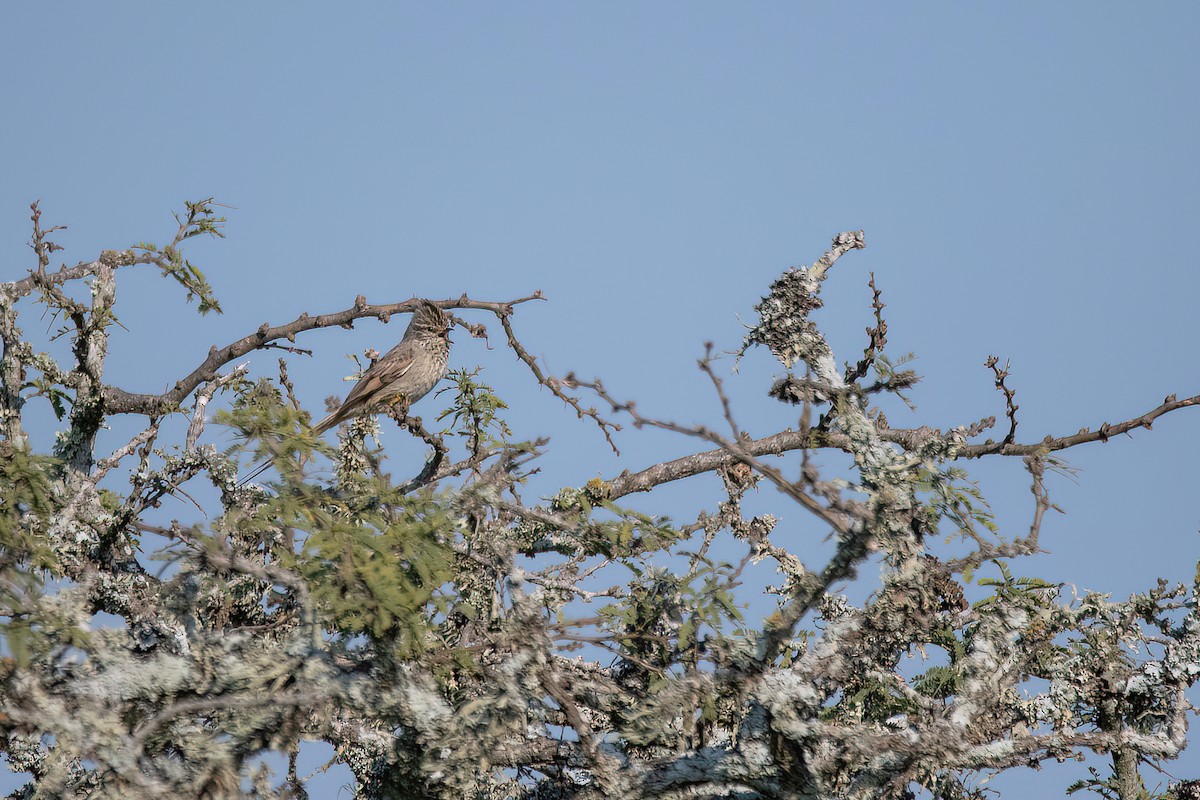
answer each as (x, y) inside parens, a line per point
(404, 374)
(401, 377)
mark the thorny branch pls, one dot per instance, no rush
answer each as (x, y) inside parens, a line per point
(876, 334)
(910, 438)
(119, 401)
(1010, 405)
(554, 385)
(203, 397)
(436, 639)
(733, 450)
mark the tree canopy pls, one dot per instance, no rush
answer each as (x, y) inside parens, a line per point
(452, 636)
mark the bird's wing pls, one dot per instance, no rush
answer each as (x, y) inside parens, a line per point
(391, 367)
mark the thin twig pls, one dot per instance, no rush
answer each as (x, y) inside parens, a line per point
(203, 397)
(1010, 405)
(555, 386)
(119, 401)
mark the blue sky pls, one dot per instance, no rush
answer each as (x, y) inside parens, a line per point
(1025, 174)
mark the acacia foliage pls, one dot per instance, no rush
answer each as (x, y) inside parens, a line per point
(451, 637)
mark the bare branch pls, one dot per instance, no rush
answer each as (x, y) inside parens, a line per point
(555, 386)
(910, 438)
(203, 396)
(876, 335)
(1010, 405)
(1105, 432)
(104, 465)
(735, 451)
(119, 401)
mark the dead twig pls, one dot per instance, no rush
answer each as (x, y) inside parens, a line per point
(555, 386)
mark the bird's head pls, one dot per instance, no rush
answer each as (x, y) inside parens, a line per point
(430, 320)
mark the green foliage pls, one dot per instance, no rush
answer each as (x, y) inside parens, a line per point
(27, 502)
(870, 699)
(1029, 593)
(270, 428)
(191, 278)
(372, 557)
(897, 380)
(666, 619)
(603, 527)
(433, 637)
(199, 220)
(708, 593)
(630, 533)
(374, 572)
(57, 397)
(646, 623)
(670, 706)
(939, 681)
(952, 496)
(475, 413)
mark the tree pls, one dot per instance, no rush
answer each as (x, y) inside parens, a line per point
(452, 638)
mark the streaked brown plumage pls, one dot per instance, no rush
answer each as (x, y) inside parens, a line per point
(401, 377)
(404, 374)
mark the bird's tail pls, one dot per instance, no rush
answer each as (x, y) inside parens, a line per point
(263, 466)
(326, 423)
(257, 470)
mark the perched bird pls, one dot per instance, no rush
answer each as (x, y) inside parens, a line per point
(404, 374)
(401, 377)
